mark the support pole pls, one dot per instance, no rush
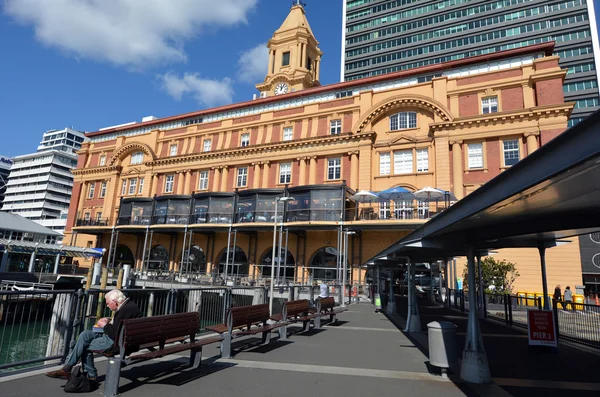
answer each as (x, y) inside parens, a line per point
(542, 250)
(226, 270)
(344, 270)
(185, 232)
(480, 294)
(144, 250)
(474, 366)
(110, 247)
(32, 261)
(279, 253)
(56, 263)
(287, 237)
(4, 264)
(413, 320)
(273, 260)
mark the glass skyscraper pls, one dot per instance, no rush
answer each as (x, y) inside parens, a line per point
(384, 36)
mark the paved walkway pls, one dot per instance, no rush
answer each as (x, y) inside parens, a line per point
(364, 354)
(519, 369)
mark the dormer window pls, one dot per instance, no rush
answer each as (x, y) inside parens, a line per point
(403, 121)
(285, 59)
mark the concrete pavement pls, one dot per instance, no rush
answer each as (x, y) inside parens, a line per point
(364, 354)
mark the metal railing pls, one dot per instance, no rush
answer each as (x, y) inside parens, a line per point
(40, 327)
(575, 322)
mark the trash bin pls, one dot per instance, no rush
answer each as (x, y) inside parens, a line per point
(443, 345)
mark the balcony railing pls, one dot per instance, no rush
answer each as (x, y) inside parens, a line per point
(93, 222)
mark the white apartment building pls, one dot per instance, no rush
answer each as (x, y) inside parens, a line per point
(5, 164)
(40, 184)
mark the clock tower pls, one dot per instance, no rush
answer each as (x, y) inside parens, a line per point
(294, 56)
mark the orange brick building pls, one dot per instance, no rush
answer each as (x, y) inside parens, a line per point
(189, 188)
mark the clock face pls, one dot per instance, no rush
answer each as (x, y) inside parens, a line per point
(281, 88)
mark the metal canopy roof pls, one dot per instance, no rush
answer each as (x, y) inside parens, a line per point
(17, 223)
(552, 194)
(27, 247)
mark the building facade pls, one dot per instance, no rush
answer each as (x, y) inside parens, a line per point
(39, 184)
(5, 164)
(383, 36)
(199, 191)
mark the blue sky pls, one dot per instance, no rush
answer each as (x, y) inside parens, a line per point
(92, 64)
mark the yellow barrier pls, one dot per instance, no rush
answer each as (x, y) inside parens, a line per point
(578, 301)
(520, 298)
(531, 299)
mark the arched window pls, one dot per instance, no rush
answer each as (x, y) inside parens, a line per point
(137, 158)
(323, 265)
(403, 120)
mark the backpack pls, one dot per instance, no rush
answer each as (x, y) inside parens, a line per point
(78, 382)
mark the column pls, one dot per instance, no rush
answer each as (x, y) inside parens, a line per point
(217, 179)
(413, 320)
(474, 367)
(256, 179)
(4, 263)
(353, 170)
(154, 187)
(457, 166)
(224, 175)
(302, 174)
(186, 181)
(271, 60)
(312, 171)
(180, 181)
(265, 176)
(542, 250)
(532, 142)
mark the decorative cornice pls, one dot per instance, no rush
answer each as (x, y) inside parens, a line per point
(455, 141)
(261, 149)
(531, 133)
(95, 170)
(128, 148)
(503, 117)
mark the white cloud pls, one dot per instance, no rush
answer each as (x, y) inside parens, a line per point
(205, 91)
(125, 32)
(253, 64)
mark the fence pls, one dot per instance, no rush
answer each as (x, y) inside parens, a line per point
(41, 326)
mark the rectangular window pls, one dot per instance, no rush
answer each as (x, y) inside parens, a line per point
(285, 59)
(384, 164)
(288, 134)
(92, 190)
(489, 105)
(285, 173)
(102, 160)
(132, 185)
(98, 216)
(169, 182)
(124, 187)
(137, 158)
(141, 186)
(403, 120)
(207, 144)
(334, 168)
(403, 162)
(86, 216)
(511, 152)
(245, 140)
(242, 177)
(103, 189)
(173, 150)
(475, 155)
(335, 127)
(422, 160)
(203, 180)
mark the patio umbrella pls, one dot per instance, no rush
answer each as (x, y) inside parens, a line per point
(365, 196)
(396, 193)
(429, 193)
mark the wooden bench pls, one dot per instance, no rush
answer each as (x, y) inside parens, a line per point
(245, 320)
(295, 311)
(326, 307)
(155, 333)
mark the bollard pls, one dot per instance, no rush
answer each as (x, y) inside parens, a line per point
(126, 273)
(120, 279)
(88, 279)
(97, 272)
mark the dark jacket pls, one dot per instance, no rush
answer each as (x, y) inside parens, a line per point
(127, 310)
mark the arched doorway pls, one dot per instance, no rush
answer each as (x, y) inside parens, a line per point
(123, 256)
(159, 259)
(323, 265)
(238, 262)
(286, 268)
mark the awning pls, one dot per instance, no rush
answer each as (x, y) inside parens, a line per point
(27, 247)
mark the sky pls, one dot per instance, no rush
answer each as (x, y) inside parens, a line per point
(90, 64)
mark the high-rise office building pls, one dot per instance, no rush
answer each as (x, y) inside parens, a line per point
(383, 36)
(5, 163)
(40, 184)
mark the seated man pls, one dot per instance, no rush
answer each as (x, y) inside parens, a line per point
(92, 340)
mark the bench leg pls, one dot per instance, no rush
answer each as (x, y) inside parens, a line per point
(196, 357)
(283, 333)
(332, 318)
(226, 345)
(113, 375)
(317, 321)
(305, 325)
(266, 337)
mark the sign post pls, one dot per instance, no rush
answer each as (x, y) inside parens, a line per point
(541, 328)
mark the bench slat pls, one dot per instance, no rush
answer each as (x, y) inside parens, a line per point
(176, 349)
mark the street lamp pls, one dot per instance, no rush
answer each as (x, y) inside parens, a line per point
(277, 200)
(344, 266)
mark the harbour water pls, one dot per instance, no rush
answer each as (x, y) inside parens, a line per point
(22, 342)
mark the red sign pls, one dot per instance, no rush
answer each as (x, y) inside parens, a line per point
(540, 324)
